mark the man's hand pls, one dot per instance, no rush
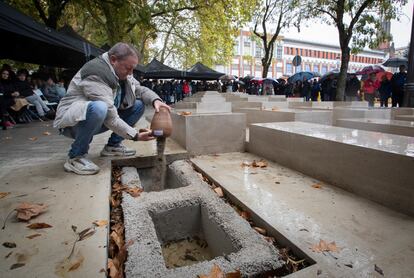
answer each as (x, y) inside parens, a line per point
(158, 104)
(144, 135)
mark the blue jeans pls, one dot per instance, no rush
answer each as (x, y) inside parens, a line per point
(84, 131)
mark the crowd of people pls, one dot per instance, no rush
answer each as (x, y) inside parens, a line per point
(20, 90)
(325, 88)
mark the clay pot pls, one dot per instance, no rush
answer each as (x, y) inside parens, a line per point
(161, 124)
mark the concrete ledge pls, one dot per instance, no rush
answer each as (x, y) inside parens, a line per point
(358, 113)
(404, 128)
(409, 118)
(237, 105)
(213, 107)
(210, 133)
(373, 165)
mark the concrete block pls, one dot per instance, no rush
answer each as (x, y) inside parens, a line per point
(374, 165)
(160, 218)
(237, 105)
(294, 104)
(404, 128)
(409, 118)
(185, 105)
(277, 98)
(213, 107)
(401, 111)
(130, 177)
(210, 133)
(358, 113)
(287, 115)
(295, 99)
(275, 104)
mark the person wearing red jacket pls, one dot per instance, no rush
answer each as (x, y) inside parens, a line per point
(371, 85)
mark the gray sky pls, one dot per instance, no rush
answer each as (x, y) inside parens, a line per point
(317, 32)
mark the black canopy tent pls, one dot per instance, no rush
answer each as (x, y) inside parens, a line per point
(25, 40)
(157, 70)
(201, 72)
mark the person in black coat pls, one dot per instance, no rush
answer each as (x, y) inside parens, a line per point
(353, 85)
(7, 94)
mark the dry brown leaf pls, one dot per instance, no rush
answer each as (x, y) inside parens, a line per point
(33, 236)
(32, 138)
(87, 235)
(134, 191)
(245, 215)
(274, 109)
(36, 226)
(3, 194)
(219, 191)
(323, 246)
(100, 223)
(215, 272)
(260, 230)
(269, 239)
(185, 113)
(117, 239)
(118, 228)
(9, 245)
(113, 271)
(76, 264)
(25, 211)
(317, 185)
(14, 266)
(47, 133)
(259, 164)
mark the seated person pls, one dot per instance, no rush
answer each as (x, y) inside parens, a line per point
(50, 91)
(25, 90)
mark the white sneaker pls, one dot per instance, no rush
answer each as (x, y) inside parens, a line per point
(120, 150)
(81, 166)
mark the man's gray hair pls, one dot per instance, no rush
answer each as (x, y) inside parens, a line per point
(122, 50)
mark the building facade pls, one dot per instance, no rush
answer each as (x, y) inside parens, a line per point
(316, 57)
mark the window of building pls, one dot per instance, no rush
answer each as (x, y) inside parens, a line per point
(235, 66)
(289, 68)
(236, 47)
(307, 67)
(279, 52)
(279, 69)
(315, 68)
(247, 42)
(324, 69)
(258, 52)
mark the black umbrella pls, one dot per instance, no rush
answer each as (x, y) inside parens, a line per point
(395, 62)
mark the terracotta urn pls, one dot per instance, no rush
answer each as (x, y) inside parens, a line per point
(161, 124)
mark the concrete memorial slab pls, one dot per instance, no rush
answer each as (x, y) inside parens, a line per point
(374, 165)
(404, 128)
(358, 113)
(210, 133)
(409, 118)
(286, 115)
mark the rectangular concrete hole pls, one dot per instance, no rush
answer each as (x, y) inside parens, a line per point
(188, 235)
(150, 176)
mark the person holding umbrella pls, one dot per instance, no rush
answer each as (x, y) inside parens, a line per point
(397, 82)
(385, 91)
(352, 88)
(370, 86)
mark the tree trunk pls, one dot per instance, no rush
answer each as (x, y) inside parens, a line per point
(265, 69)
(341, 84)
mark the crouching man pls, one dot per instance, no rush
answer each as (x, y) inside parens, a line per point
(104, 95)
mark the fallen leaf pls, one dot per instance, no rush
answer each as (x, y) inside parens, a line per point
(260, 230)
(76, 264)
(74, 228)
(245, 215)
(323, 246)
(219, 191)
(259, 164)
(3, 194)
(36, 226)
(303, 230)
(319, 272)
(349, 265)
(9, 244)
(215, 272)
(8, 255)
(317, 185)
(33, 236)
(14, 266)
(185, 113)
(379, 270)
(25, 211)
(113, 271)
(134, 191)
(269, 239)
(117, 239)
(47, 133)
(235, 274)
(87, 235)
(274, 109)
(33, 138)
(83, 232)
(100, 223)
